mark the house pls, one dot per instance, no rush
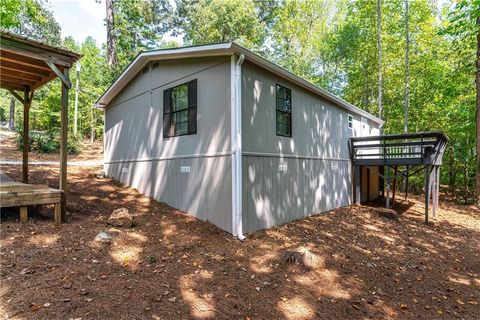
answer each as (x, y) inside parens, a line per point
(227, 136)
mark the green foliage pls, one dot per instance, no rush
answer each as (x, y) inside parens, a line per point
(208, 21)
(30, 18)
(49, 142)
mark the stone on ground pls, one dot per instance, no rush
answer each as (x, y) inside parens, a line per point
(104, 237)
(302, 256)
(121, 218)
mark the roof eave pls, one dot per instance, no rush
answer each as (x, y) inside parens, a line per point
(162, 54)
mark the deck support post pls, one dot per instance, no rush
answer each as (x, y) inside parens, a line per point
(406, 183)
(63, 145)
(427, 191)
(356, 184)
(23, 214)
(387, 180)
(394, 185)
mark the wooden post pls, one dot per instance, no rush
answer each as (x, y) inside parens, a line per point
(58, 213)
(26, 145)
(387, 180)
(406, 184)
(23, 214)
(394, 186)
(63, 145)
(427, 191)
(368, 184)
(437, 185)
(356, 184)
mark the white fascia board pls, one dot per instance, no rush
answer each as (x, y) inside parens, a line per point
(162, 54)
(272, 67)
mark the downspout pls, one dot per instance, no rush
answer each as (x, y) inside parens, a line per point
(236, 130)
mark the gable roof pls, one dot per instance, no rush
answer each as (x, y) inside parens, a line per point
(221, 49)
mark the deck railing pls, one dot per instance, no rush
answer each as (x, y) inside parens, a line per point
(410, 148)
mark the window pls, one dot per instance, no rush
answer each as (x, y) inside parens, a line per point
(350, 121)
(180, 110)
(283, 111)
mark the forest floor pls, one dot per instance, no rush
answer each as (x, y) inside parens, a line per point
(9, 150)
(173, 266)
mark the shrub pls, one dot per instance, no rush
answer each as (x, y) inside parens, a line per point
(49, 142)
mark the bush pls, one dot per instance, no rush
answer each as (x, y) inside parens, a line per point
(49, 142)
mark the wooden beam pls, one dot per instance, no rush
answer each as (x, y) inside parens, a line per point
(65, 80)
(40, 52)
(58, 213)
(19, 75)
(21, 68)
(63, 143)
(23, 60)
(16, 95)
(12, 85)
(22, 82)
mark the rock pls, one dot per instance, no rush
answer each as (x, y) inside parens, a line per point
(100, 174)
(302, 256)
(104, 237)
(121, 218)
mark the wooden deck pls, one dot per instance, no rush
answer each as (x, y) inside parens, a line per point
(22, 195)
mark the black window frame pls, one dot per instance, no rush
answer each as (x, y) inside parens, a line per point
(277, 110)
(191, 109)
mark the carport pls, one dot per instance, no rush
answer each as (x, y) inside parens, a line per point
(25, 66)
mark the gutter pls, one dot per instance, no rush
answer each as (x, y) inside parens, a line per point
(236, 144)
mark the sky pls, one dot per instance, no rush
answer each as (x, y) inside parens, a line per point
(80, 18)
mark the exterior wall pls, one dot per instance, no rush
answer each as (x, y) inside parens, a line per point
(137, 154)
(318, 175)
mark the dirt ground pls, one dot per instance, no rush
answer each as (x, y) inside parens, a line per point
(172, 266)
(9, 150)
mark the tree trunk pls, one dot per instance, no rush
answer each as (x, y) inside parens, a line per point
(407, 52)
(11, 122)
(477, 189)
(379, 48)
(111, 40)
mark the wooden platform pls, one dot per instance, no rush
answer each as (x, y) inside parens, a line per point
(22, 195)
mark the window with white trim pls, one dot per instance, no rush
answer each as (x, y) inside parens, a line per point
(350, 121)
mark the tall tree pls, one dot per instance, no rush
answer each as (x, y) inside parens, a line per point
(112, 60)
(477, 78)
(379, 50)
(207, 21)
(407, 62)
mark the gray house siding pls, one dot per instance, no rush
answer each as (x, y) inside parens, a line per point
(137, 155)
(318, 169)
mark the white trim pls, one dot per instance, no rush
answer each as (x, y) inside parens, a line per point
(184, 156)
(224, 49)
(291, 156)
(236, 134)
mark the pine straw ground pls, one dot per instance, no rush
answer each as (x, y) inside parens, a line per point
(172, 266)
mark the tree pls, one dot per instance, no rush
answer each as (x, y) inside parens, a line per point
(31, 19)
(407, 51)
(207, 21)
(111, 37)
(379, 53)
